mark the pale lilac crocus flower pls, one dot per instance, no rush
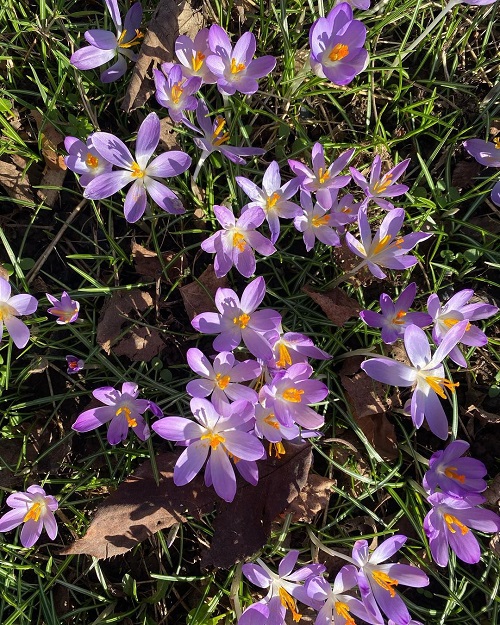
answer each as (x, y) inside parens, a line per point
(322, 179)
(122, 408)
(395, 318)
(316, 222)
(268, 427)
(75, 364)
(456, 309)
(223, 378)
(385, 249)
(336, 43)
(144, 176)
(85, 160)
(448, 524)
(175, 92)
(105, 46)
(273, 198)
(453, 474)
(363, 5)
(381, 186)
(10, 309)
(486, 153)
(377, 581)
(343, 210)
(192, 55)
(292, 347)
(36, 510)
(235, 68)
(240, 320)
(221, 437)
(284, 588)
(235, 243)
(425, 375)
(65, 310)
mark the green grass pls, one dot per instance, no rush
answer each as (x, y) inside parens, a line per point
(423, 110)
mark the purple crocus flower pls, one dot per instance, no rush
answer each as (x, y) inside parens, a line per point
(486, 153)
(143, 176)
(10, 309)
(36, 510)
(223, 378)
(322, 179)
(380, 186)
(290, 394)
(65, 310)
(75, 364)
(449, 523)
(455, 475)
(284, 588)
(395, 317)
(316, 223)
(456, 309)
(175, 92)
(234, 68)
(425, 375)
(105, 46)
(336, 43)
(268, 427)
(344, 210)
(386, 249)
(357, 4)
(192, 55)
(123, 409)
(85, 160)
(223, 437)
(235, 244)
(292, 347)
(334, 605)
(273, 198)
(377, 581)
(237, 321)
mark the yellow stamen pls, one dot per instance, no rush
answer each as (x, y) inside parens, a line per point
(451, 520)
(383, 185)
(436, 385)
(340, 51)
(271, 201)
(293, 394)
(342, 609)
(5, 311)
(222, 380)
(242, 320)
(496, 141)
(382, 244)
(288, 602)
(279, 450)
(216, 140)
(234, 458)
(450, 322)
(398, 317)
(137, 172)
(323, 176)
(239, 241)
(285, 358)
(320, 221)
(451, 472)
(34, 512)
(198, 59)
(177, 92)
(347, 210)
(132, 423)
(132, 42)
(92, 161)
(214, 439)
(385, 581)
(271, 420)
(237, 67)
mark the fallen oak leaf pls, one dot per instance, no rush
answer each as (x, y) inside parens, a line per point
(336, 305)
(198, 296)
(313, 498)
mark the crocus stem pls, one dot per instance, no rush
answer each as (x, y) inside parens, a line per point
(320, 545)
(203, 158)
(346, 276)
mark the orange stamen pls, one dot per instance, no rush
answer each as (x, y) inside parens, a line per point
(137, 172)
(398, 317)
(222, 380)
(198, 59)
(132, 42)
(34, 512)
(437, 384)
(340, 51)
(320, 221)
(293, 394)
(451, 520)
(451, 472)
(285, 358)
(342, 609)
(279, 450)
(383, 185)
(221, 122)
(271, 201)
(450, 322)
(177, 92)
(242, 320)
(92, 161)
(271, 420)
(132, 423)
(214, 439)
(237, 67)
(288, 602)
(239, 241)
(323, 176)
(382, 244)
(385, 581)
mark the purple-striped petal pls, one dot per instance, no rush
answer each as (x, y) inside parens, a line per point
(148, 137)
(90, 57)
(18, 331)
(190, 462)
(31, 532)
(135, 203)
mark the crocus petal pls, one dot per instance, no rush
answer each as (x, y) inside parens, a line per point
(31, 532)
(135, 203)
(114, 12)
(190, 462)
(116, 70)
(12, 519)
(90, 57)
(417, 346)
(108, 184)
(92, 419)
(436, 416)
(133, 20)
(177, 429)
(18, 331)
(257, 575)
(406, 574)
(253, 295)
(391, 604)
(166, 199)
(288, 563)
(118, 430)
(102, 39)
(388, 548)
(24, 304)
(465, 546)
(50, 524)
(243, 445)
(389, 371)
(112, 149)
(148, 137)
(222, 472)
(169, 164)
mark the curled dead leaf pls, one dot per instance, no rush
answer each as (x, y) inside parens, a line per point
(336, 305)
(313, 498)
(15, 182)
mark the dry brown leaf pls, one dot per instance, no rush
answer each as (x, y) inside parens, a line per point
(199, 296)
(169, 21)
(51, 139)
(495, 544)
(148, 264)
(115, 312)
(15, 183)
(492, 493)
(313, 498)
(51, 178)
(336, 305)
(142, 344)
(168, 135)
(483, 415)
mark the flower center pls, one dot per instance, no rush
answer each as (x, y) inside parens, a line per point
(320, 221)
(34, 512)
(242, 320)
(177, 92)
(496, 141)
(279, 450)
(198, 59)
(222, 380)
(288, 602)
(237, 67)
(64, 315)
(271, 420)
(214, 439)
(132, 423)
(6, 311)
(220, 122)
(398, 319)
(285, 358)
(450, 322)
(342, 609)
(323, 175)
(437, 384)
(382, 244)
(340, 51)
(451, 520)
(92, 161)
(293, 394)
(272, 200)
(385, 581)
(137, 172)
(451, 472)
(132, 42)
(239, 241)
(383, 184)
